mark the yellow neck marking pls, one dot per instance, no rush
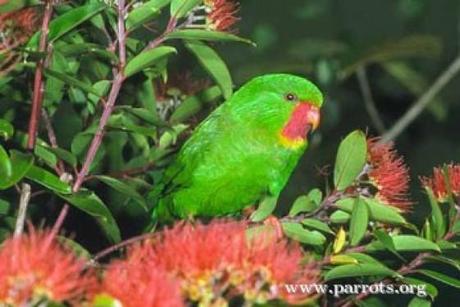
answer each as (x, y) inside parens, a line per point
(291, 143)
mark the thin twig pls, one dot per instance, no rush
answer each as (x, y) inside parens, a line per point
(22, 213)
(421, 103)
(37, 99)
(120, 245)
(369, 101)
(53, 140)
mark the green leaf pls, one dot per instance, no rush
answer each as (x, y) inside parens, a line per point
(48, 180)
(340, 217)
(358, 222)
(266, 207)
(6, 129)
(206, 35)
(5, 166)
(317, 224)
(72, 50)
(125, 189)
(387, 242)
(76, 248)
(446, 260)
(405, 243)
(358, 270)
(350, 160)
(144, 13)
(297, 232)
(213, 64)
(105, 300)
(146, 59)
(437, 218)
(71, 81)
(181, 8)
(377, 211)
(441, 277)
(4, 207)
(19, 164)
(419, 302)
(68, 21)
(302, 204)
(64, 155)
(363, 258)
(431, 290)
(193, 104)
(90, 203)
(44, 154)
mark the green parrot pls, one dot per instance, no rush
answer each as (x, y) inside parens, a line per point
(243, 152)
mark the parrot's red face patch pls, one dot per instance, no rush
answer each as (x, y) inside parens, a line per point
(304, 118)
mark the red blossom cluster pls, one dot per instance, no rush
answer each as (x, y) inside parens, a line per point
(15, 29)
(441, 180)
(221, 14)
(388, 174)
(36, 266)
(212, 264)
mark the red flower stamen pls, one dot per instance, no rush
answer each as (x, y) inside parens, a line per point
(437, 183)
(35, 266)
(388, 173)
(221, 14)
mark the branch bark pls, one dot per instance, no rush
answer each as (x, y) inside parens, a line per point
(369, 101)
(37, 99)
(421, 103)
(22, 213)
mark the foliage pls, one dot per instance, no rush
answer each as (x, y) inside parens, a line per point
(114, 104)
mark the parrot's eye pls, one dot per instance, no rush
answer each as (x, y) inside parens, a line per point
(290, 97)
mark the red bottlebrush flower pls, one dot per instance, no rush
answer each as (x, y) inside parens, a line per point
(15, 28)
(138, 282)
(34, 266)
(388, 173)
(221, 14)
(217, 262)
(438, 183)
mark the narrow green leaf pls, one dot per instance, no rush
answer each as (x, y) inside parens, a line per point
(6, 129)
(364, 258)
(213, 64)
(70, 50)
(144, 13)
(146, 59)
(431, 290)
(64, 155)
(340, 217)
(441, 277)
(358, 270)
(5, 166)
(90, 203)
(20, 164)
(76, 248)
(48, 180)
(4, 207)
(68, 21)
(404, 243)
(317, 224)
(297, 232)
(437, 218)
(419, 302)
(71, 81)
(302, 204)
(446, 260)
(125, 189)
(377, 211)
(206, 35)
(266, 207)
(359, 221)
(181, 8)
(351, 157)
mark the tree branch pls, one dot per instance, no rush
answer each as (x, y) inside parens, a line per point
(37, 99)
(421, 103)
(22, 213)
(369, 101)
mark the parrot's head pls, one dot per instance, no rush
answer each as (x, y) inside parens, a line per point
(286, 105)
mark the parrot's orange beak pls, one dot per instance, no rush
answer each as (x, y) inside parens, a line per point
(313, 117)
